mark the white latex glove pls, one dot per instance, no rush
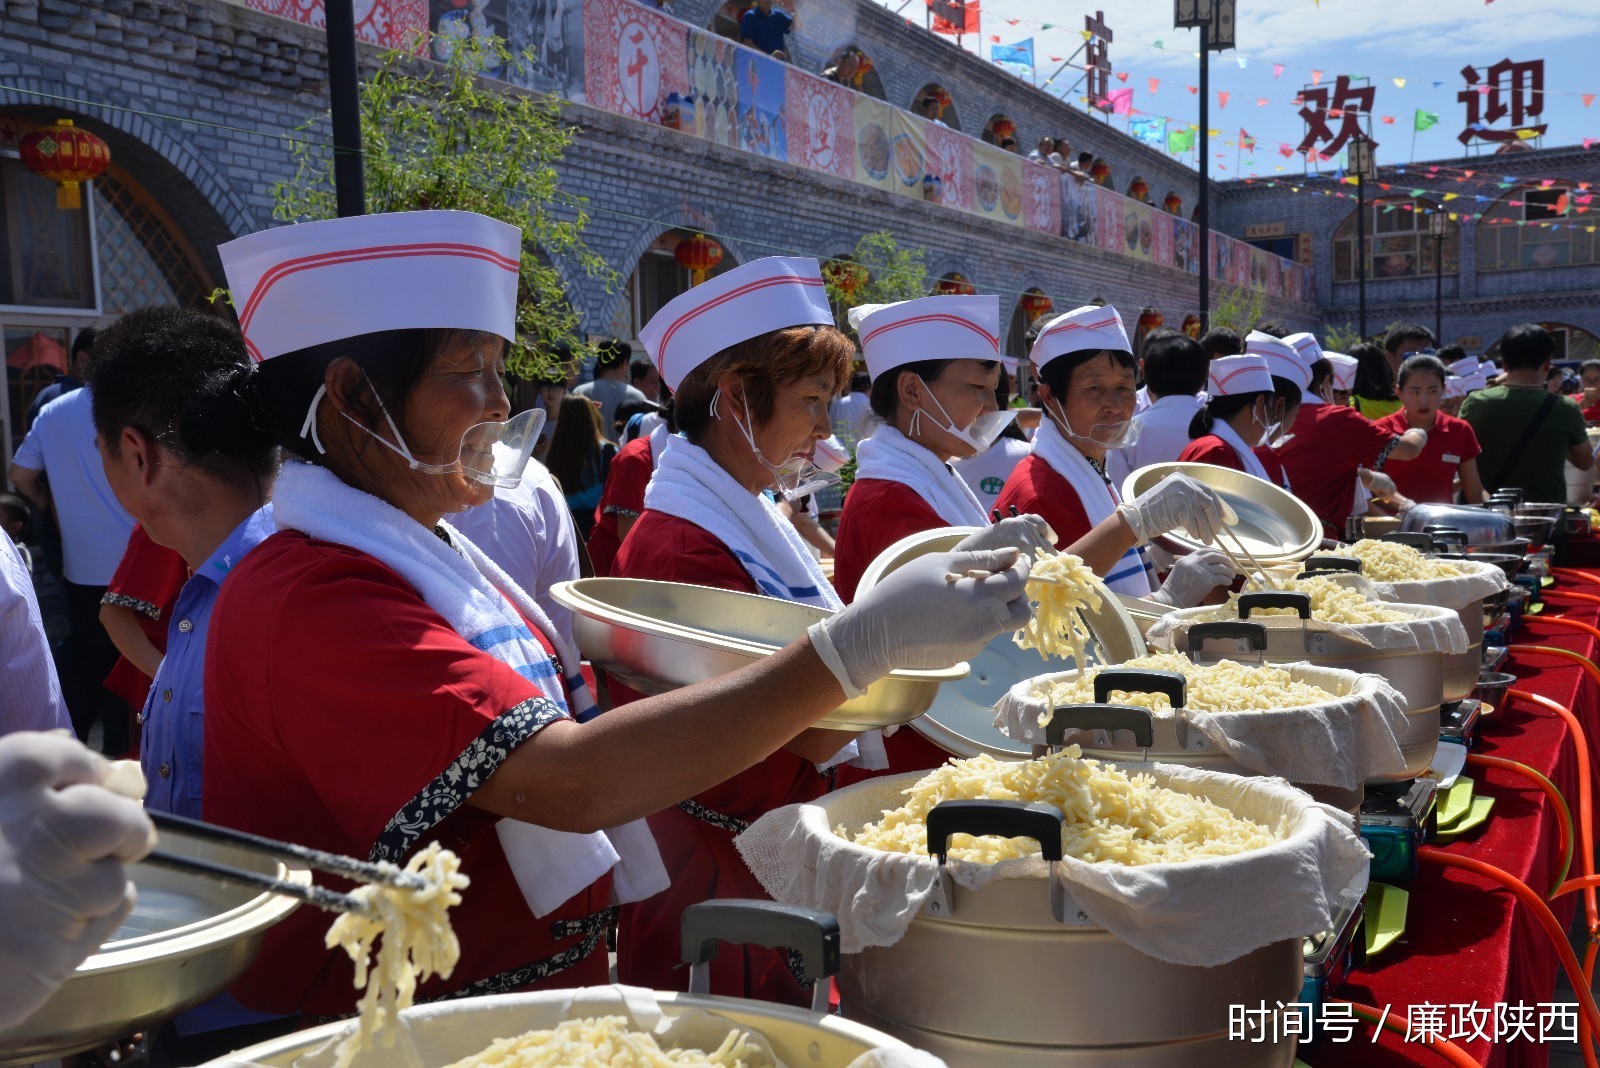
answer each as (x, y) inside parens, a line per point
(1194, 576)
(1027, 533)
(1379, 483)
(936, 611)
(63, 841)
(1176, 501)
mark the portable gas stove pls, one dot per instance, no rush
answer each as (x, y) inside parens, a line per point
(1329, 957)
(1459, 721)
(1396, 820)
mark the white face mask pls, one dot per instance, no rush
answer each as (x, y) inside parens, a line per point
(796, 477)
(494, 454)
(1122, 435)
(980, 435)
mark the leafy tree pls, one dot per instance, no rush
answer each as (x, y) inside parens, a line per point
(884, 272)
(1342, 338)
(437, 135)
(1238, 309)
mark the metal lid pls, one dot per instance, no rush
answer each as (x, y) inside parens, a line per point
(961, 718)
(1275, 525)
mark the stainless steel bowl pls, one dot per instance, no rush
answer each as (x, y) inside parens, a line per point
(1480, 525)
(961, 718)
(660, 636)
(1276, 526)
(445, 1035)
(1492, 686)
(1551, 511)
(187, 939)
(1536, 528)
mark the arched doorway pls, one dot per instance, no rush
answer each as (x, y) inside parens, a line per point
(656, 279)
(934, 103)
(953, 283)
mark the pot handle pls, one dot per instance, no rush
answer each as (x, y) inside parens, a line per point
(810, 933)
(1447, 535)
(1423, 543)
(1300, 602)
(1130, 680)
(1254, 635)
(1102, 717)
(1330, 563)
(1006, 819)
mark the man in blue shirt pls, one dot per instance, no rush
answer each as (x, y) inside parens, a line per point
(183, 456)
(762, 27)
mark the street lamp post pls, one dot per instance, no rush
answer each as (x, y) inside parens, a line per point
(1361, 160)
(1437, 228)
(344, 98)
(1215, 18)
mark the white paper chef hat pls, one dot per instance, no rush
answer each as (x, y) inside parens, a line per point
(1307, 347)
(928, 328)
(1477, 380)
(1233, 375)
(1282, 360)
(1344, 370)
(1090, 327)
(1489, 368)
(1466, 366)
(753, 299)
(308, 284)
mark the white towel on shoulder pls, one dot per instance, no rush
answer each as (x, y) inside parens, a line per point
(1247, 455)
(689, 484)
(476, 598)
(1132, 574)
(893, 457)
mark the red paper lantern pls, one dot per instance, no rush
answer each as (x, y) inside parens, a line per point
(1004, 128)
(956, 285)
(863, 63)
(1173, 204)
(1139, 190)
(1191, 325)
(1100, 172)
(698, 254)
(945, 100)
(1149, 319)
(1035, 305)
(66, 155)
(845, 276)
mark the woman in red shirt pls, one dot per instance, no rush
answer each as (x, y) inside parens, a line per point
(1235, 418)
(1452, 449)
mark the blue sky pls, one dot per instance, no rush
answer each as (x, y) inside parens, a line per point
(1419, 41)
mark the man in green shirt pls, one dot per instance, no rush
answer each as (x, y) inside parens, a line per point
(1527, 433)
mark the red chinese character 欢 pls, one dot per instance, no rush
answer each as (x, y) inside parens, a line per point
(1507, 88)
(1347, 103)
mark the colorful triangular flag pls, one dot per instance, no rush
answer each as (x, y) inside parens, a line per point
(1222, 98)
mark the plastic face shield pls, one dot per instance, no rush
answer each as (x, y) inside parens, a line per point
(1119, 435)
(494, 454)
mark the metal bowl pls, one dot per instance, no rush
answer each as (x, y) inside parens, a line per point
(660, 636)
(1276, 526)
(1480, 525)
(451, 1031)
(1551, 511)
(187, 939)
(1536, 528)
(961, 718)
(1492, 687)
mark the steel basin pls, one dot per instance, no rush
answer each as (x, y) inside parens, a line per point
(187, 939)
(1276, 526)
(798, 1037)
(660, 636)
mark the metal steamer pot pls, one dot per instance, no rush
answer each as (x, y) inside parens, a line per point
(1167, 739)
(1460, 669)
(797, 1036)
(1481, 526)
(1000, 976)
(1418, 676)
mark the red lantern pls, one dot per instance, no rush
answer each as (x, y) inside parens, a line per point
(845, 276)
(955, 286)
(1173, 204)
(699, 254)
(863, 63)
(943, 96)
(1139, 190)
(1191, 325)
(1035, 305)
(1004, 128)
(66, 155)
(1100, 172)
(1149, 319)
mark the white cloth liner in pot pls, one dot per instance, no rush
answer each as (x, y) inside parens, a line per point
(1200, 913)
(444, 1032)
(1484, 580)
(1342, 742)
(1427, 630)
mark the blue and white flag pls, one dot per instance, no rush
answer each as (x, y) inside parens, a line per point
(1021, 52)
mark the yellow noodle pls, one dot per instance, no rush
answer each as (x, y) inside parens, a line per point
(1057, 626)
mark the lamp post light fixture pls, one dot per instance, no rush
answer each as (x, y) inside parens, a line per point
(1438, 226)
(1363, 164)
(1215, 18)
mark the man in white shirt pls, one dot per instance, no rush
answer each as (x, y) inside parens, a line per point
(1175, 368)
(60, 447)
(610, 386)
(528, 531)
(849, 413)
(30, 693)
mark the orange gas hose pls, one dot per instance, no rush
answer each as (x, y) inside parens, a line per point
(1582, 661)
(1572, 624)
(1585, 799)
(1564, 820)
(1589, 1013)
(1574, 573)
(1446, 1049)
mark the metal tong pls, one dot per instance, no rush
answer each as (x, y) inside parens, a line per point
(331, 863)
(1041, 550)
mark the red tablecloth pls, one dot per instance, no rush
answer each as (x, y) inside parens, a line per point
(1584, 550)
(1468, 942)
